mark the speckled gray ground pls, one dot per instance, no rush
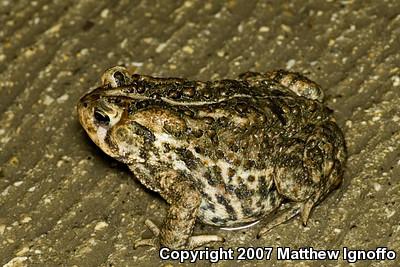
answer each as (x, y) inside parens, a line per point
(63, 202)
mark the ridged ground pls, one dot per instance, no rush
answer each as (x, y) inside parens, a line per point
(63, 202)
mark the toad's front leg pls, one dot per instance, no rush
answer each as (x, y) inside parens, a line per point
(176, 230)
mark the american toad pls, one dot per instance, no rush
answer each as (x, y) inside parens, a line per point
(226, 152)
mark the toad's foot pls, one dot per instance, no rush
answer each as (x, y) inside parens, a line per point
(287, 214)
(152, 242)
(193, 242)
(303, 208)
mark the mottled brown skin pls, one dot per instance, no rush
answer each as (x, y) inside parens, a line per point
(224, 152)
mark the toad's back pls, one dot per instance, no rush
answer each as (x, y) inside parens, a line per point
(228, 141)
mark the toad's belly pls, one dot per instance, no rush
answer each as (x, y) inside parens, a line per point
(229, 211)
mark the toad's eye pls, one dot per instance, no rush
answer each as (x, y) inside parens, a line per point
(101, 117)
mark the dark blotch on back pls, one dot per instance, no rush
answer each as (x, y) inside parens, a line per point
(174, 94)
(231, 172)
(143, 131)
(212, 134)
(278, 93)
(210, 206)
(197, 133)
(219, 154)
(228, 207)
(242, 192)
(277, 110)
(248, 211)
(167, 147)
(187, 156)
(213, 176)
(188, 91)
(263, 189)
(241, 108)
(143, 153)
(248, 164)
(251, 178)
(199, 150)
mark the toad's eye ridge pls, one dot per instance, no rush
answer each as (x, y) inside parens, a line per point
(101, 117)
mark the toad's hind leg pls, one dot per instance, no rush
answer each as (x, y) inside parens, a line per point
(178, 225)
(176, 231)
(295, 81)
(307, 169)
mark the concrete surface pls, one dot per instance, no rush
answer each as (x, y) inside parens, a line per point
(64, 203)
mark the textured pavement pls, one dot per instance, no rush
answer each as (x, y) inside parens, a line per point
(63, 202)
